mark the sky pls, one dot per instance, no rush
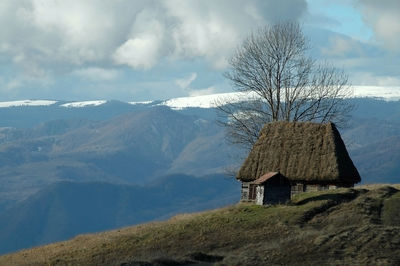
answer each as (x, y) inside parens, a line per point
(138, 50)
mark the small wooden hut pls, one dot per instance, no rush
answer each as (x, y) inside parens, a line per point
(304, 156)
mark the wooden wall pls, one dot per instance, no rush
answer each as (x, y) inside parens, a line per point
(275, 194)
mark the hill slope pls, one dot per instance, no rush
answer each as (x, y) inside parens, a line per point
(346, 227)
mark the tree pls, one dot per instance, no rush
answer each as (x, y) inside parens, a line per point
(284, 83)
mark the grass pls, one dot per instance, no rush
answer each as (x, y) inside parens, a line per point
(331, 225)
(390, 212)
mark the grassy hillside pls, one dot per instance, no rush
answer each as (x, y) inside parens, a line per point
(343, 227)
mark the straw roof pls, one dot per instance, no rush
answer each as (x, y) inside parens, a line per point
(301, 151)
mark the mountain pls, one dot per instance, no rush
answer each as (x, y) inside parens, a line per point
(49, 147)
(134, 143)
(29, 113)
(65, 209)
(339, 227)
(379, 161)
(132, 148)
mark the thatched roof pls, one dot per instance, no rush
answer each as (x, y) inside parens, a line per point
(301, 151)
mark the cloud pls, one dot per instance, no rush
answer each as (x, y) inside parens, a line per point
(370, 70)
(366, 63)
(63, 33)
(144, 47)
(383, 18)
(184, 83)
(96, 74)
(369, 79)
(321, 20)
(199, 92)
(135, 33)
(11, 87)
(138, 53)
(213, 29)
(50, 39)
(343, 47)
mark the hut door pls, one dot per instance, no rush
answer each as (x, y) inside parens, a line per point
(252, 192)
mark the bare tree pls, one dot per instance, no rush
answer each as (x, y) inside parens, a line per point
(286, 84)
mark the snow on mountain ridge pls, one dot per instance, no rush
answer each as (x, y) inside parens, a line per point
(142, 102)
(385, 93)
(27, 103)
(83, 104)
(209, 101)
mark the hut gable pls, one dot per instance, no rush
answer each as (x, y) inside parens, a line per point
(265, 177)
(301, 151)
(270, 188)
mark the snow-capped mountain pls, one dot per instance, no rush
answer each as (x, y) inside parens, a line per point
(210, 101)
(84, 103)
(27, 103)
(120, 144)
(384, 93)
(207, 101)
(203, 101)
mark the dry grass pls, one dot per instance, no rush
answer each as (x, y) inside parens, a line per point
(316, 225)
(377, 186)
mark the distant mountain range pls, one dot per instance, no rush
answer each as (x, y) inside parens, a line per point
(203, 101)
(65, 209)
(131, 148)
(99, 149)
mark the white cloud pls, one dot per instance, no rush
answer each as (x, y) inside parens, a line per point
(184, 83)
(135, 33)
(200, 92)
(144, 47)
(13, 84)
(96, 73)
(213, 29)
(342, 47)
(384, 18)
(207, 30)
(11, 87)
(372, 79)
(139, 53)
(64, 33)
(42, 41)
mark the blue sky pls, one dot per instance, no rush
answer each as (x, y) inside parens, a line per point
(344, 17)
(136, 50)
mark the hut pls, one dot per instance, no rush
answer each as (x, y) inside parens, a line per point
(303, 156)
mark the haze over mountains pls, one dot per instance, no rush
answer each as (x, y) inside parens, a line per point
(69, 168)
